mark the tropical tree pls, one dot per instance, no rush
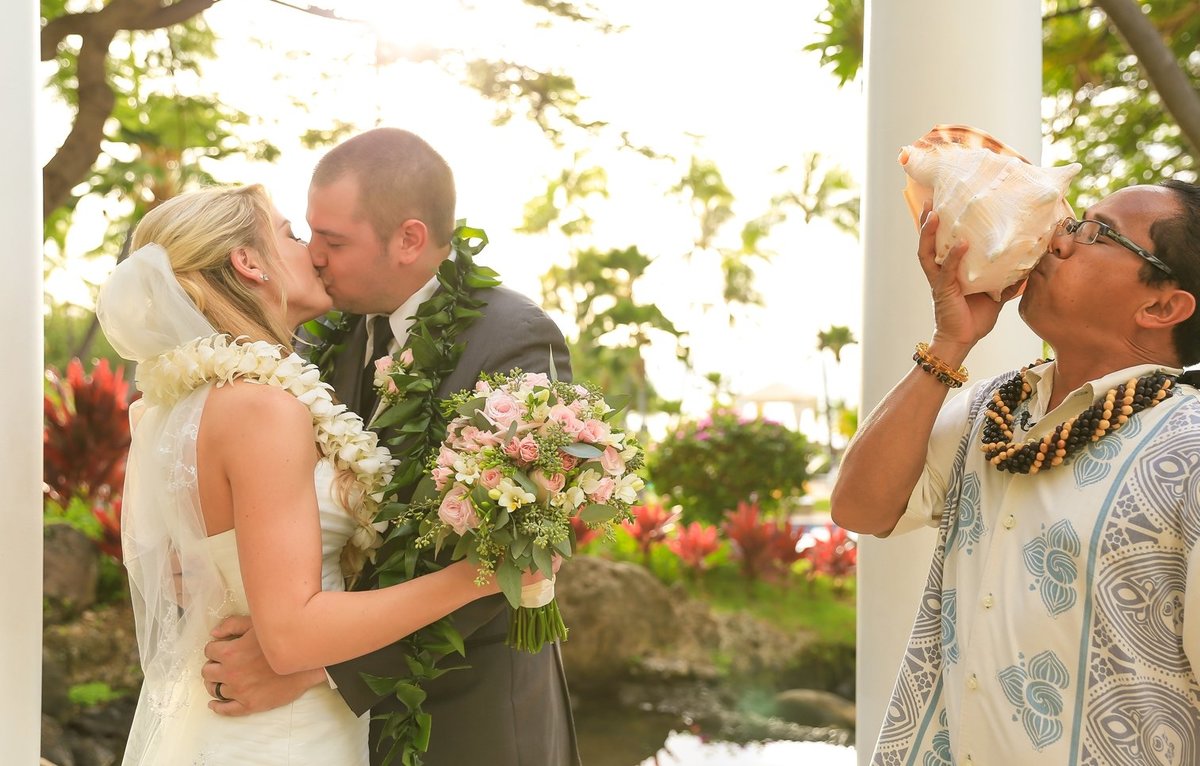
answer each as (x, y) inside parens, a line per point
(1125, 105)
(833, 339)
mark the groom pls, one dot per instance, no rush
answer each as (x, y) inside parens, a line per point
(381, 210)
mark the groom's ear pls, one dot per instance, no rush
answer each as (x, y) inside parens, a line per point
(408, 242)
(245, 262)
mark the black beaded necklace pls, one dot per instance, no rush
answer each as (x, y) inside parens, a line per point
(1110, 413)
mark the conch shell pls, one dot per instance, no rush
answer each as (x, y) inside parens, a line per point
(988, 195)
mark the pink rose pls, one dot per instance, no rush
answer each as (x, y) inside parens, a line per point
(406, 357)
(477, 437)
(568, 461)
(547, 484)
(482, 388)
(582, 390)
(441, 477)
(603, 491)
(490, 477)
(383, 365)
(446, 457)
(513, 448)
(501, 409)
(594, 431)
(537, 379)
(528, 450)
(578, 406)
(570, 422)
(457, 511)
(612, 462)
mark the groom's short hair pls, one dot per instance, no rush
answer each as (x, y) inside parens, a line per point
(400, 176)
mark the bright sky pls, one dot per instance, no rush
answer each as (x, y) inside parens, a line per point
(731, 84)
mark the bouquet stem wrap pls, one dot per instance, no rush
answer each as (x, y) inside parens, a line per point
(537, 621)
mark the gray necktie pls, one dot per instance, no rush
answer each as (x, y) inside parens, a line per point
(381, 333)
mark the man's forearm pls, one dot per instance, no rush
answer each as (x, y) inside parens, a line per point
(884, 461)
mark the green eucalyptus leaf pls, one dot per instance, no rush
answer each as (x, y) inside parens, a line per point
(509, 579)
(596, 513)
(582, 450)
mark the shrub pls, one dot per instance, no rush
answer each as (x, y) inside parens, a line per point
(710, 465)
(763, 548)
(86, 434)
(649, 525)
(693, 544)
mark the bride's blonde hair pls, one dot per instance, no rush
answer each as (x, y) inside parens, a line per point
(199, 230)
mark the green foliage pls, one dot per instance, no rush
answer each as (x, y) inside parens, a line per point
(157, 137)
(550, 99)
(1105, 113)
(597, 291)
(93, 693)
(841, 44)
(76, 512)
(711, 465)
(71, 332)
(562, 200)
(834, 339)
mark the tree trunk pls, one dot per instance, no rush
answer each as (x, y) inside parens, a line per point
(71, 163)
(1158, 62)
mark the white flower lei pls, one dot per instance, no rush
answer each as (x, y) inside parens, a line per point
(340, 434)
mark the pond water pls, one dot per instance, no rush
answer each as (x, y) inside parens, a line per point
(612, 735)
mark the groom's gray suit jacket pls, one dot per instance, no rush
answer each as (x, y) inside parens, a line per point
(509, 708)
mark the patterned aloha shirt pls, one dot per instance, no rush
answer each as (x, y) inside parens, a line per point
(1052, 627)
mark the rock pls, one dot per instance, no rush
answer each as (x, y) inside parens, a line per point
(811, 707)
(616, 612)
(55, 749)
(100, 646)
(55, 702)
(70, 571)
(625, 624)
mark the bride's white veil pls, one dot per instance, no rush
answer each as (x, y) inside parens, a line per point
(176, 591)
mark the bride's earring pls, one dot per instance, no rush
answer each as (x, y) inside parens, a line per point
(265, 278)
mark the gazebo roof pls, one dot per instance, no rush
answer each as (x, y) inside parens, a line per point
(780, 392)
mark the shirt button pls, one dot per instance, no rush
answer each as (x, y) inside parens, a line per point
(967, 761)
(988, 601)
(1010, 521)
(972, 682)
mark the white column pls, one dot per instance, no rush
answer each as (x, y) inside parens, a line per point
(939, 61)
(20, 394)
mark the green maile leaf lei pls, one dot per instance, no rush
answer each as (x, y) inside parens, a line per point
(413, 425)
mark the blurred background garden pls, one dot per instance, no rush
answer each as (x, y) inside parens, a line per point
(677, 186)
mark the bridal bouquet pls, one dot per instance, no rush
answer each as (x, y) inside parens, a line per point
(523, 456)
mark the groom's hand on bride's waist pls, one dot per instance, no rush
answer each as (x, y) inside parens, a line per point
(238, 677)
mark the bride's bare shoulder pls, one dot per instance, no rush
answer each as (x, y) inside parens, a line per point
(242, 405)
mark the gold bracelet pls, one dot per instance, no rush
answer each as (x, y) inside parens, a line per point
(944, 373)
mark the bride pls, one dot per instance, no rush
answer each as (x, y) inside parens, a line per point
(248, 490)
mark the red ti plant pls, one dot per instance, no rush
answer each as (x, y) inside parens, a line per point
(835, 557)
(693, 544)
(649, 526)
(109, 516)
(86, 433)
(762, 547)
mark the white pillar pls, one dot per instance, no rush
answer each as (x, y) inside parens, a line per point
(21, 394)
(940, 61)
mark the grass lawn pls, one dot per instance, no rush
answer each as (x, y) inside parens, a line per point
(798, 604)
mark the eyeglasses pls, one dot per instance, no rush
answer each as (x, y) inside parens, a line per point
(1086, 232)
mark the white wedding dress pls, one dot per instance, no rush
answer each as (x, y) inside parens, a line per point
(183, 581)
(317, 729)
